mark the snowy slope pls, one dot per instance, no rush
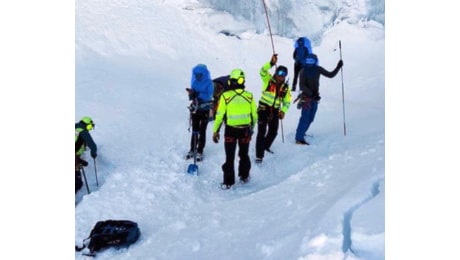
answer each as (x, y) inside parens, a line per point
(133, 61)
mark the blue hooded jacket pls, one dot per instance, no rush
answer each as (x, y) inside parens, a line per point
(202, 86)
(306, 44)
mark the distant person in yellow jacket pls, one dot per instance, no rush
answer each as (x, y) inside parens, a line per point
(83, 139)
(273, 105)
(237, 109)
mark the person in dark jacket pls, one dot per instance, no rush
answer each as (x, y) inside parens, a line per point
(201, 94)
(83, 139)
(309, 96)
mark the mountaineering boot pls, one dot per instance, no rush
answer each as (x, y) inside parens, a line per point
(258, 160)
(189, 155)
(199, 157)
(303, 142)
(225, 186)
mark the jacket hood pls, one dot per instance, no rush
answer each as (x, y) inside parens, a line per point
(200, 69)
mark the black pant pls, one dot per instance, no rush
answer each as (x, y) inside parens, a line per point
(78, 181)
(268, 117)
(297, 68)
(199, 125)
(242, 136)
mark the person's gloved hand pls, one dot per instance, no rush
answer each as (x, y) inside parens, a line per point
(215, 137)
(281, 114)
(340, 64)
(191, 93)
(274, 59)
(94, 155)
(83, 162)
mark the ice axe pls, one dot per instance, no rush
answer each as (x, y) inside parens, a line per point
(86, 182)
(343, 96)
(193, 168)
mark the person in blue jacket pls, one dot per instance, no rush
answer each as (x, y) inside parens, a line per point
(201, 95)
(302, 47)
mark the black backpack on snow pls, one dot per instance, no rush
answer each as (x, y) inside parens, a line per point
(117, 233)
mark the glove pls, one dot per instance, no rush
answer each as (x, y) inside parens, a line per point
(83, 162)
(215, 137)
(340, 64)
(281, 114)
(274, 59)
(191, 94)
(94, 155)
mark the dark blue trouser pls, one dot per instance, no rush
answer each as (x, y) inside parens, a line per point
(307, 116)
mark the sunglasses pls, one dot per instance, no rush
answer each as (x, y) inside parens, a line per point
(281, 73)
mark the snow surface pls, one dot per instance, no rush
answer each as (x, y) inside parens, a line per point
(325, 201)
(133, 60)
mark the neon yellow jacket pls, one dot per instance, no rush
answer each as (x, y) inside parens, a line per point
(270, 93)
(237, 107)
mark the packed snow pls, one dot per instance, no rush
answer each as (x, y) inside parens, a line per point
(133, 61)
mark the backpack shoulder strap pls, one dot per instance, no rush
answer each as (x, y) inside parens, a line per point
(248, 99)
(79, 248)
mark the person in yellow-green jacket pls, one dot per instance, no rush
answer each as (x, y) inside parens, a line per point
(237, 109)
(273, 105)
(82, 140)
